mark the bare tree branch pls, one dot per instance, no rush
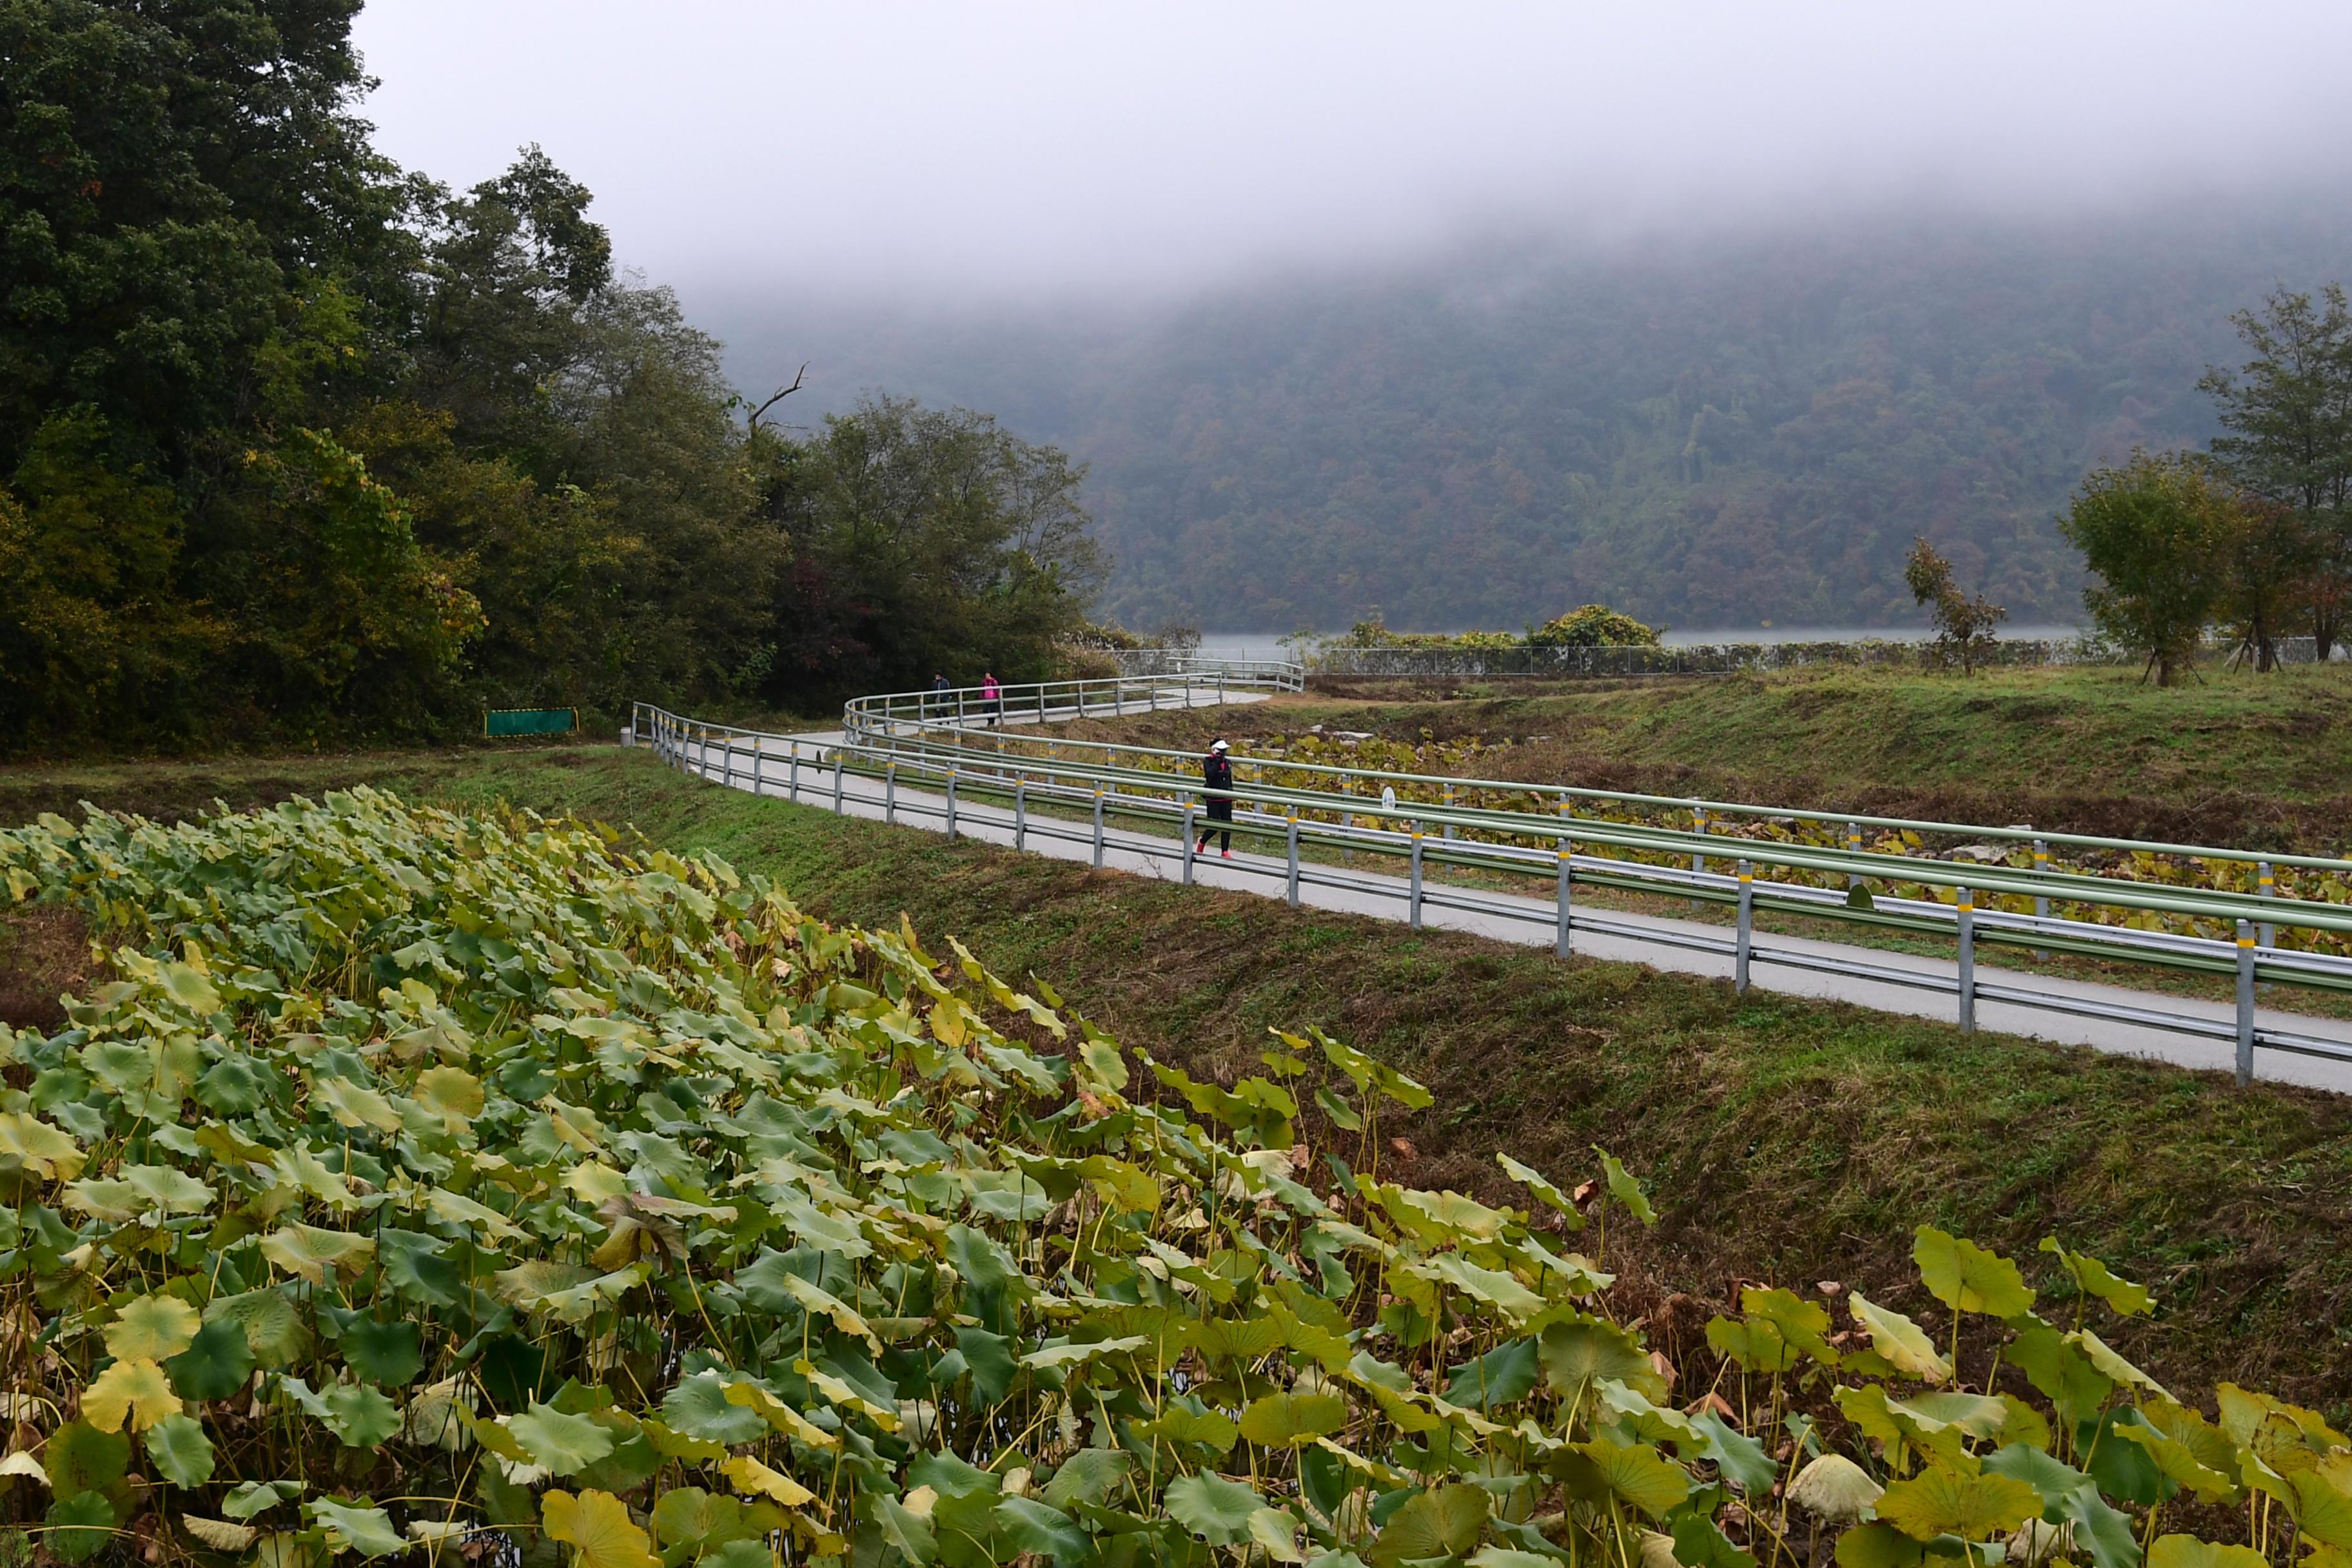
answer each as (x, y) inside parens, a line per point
(781, 394)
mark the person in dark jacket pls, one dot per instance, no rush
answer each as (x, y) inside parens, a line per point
(1217, 772)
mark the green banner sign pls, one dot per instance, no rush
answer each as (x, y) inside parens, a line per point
(530, 721)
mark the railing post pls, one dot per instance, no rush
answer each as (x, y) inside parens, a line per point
(731, 759)
(838, 753)
(759, 756)
(1449, 805)
(1098, 828)
(1852, 847)
(1020, 813)
(1292, 834)
(951, 805)
(1189, 809)
(1041, 702)
(1560, 898)
(1747, 939)
(2040, 901)
(1413, 898)
(1965, 902)
(2245, 1004)
(2266, 886)
(890, 792)
(792, 786)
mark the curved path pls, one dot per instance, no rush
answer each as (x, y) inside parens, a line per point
(2103, 1018)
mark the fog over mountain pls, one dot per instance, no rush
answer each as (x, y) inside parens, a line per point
(1468, 314)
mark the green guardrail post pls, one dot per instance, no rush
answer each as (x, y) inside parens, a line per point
(1020, 813)
(1449, 805)
(837, 759)
(792, 778)
(890, 792)
(1292, 835)
(2245, 1004)
(758, 759)
(1745, 940)
(2266, 886)
(1098, 829)
(1190, 808)
(1964, 903)
(951, 804)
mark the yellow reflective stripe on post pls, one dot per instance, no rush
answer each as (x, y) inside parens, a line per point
(2245, 941)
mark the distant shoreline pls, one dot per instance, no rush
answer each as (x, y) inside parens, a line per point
(1268, 644)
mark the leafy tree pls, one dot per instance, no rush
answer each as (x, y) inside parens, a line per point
(1963, 626)
(2288, 417)
(2271, 555)
(920, 540)
(1593, 625)
(2154, 531)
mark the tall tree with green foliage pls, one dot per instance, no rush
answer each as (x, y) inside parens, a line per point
(2287, 414)
(2154, 530)
(922, 540)
(1964, 625)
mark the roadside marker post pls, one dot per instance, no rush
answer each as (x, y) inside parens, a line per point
(1189, 809)
(2266, 886)
(1020, 813)
(1747, 929)
(1413, 898)
(2245, 1004)
(759, 756)
(1098, 830)
(1560, 897)
(951, 805)
(1966, 922)
(1293, 835)
(890, 792)
(836, 781)
(2040, 901)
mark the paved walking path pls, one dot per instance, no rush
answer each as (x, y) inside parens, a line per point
(2110, 1018)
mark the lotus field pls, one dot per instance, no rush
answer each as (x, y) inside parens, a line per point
(422, 1183)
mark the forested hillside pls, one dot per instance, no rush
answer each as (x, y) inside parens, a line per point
(1710, 435)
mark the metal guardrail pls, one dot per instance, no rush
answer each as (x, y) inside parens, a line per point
(959, 744)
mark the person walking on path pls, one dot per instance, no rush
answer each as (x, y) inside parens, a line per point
(1217, 772)
(940, 689)
(992, 697)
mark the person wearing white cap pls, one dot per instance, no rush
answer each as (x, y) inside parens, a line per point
(1217, 770)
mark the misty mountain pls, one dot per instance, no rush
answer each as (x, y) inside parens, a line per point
(1710, 435)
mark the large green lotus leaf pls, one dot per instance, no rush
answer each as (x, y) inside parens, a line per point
(632, 1461)
(356, 1527)
(1504, 1376)
(412, 1264)
(388, 1353)
(1576, 1355)
(1740, 1458)
(249, 1497)
(1625, 1188)
(1211, 1428)
(215, 1364)
(1214, 1507)
(1087, 1475)
(1903, 1343)
(690, 1521)
(155, 1327)
(1032, 1526)
(79, 1526)
(1639, 1475)
(1444, 1523)
(1288, 1420)
(79, 1458)
(235, 1086)
(990, 1357)
(2095, 1278)
(1698, 1543)
(698, 1408)
(1968, 1278)
(180, 1451)
(566, 1445)
(313, 1254)
(1941, 1501)
(2188, 1551)
(1877, 1545)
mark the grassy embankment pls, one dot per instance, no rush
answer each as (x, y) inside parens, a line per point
(1789, 1140)
(2240, 761)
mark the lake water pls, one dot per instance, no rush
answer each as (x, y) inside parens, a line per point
(1268, 644)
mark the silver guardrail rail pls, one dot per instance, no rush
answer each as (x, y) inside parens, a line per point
(967, 747)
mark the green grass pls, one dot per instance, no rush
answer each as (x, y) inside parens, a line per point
(1789, 1140)
(2258, 762)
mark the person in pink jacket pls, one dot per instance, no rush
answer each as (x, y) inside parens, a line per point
(992, 697)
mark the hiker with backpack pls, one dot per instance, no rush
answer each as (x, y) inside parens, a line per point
(1217, 772)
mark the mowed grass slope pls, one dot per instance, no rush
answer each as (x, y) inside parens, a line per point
(2242, 760)
(1787, 1140)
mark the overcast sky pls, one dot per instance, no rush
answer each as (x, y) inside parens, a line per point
(969, 151)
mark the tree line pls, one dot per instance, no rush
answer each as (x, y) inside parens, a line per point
(296, 445)
(2251, 536)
